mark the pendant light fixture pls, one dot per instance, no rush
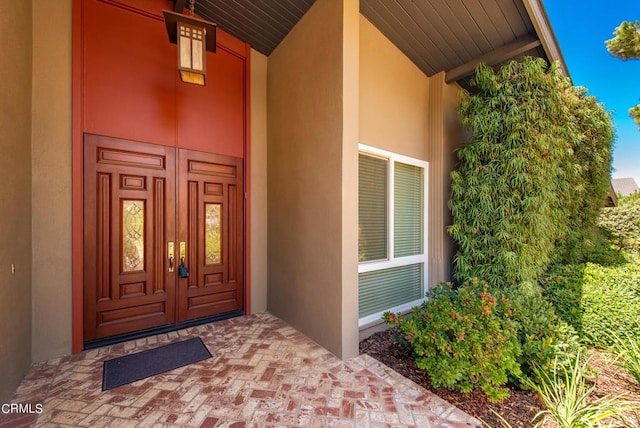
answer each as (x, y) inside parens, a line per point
(194, 37)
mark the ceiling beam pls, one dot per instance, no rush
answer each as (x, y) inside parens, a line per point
(178, 5)
(497, 56)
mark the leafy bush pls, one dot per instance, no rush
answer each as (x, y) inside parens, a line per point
(543, 336)
(463, 338)
(563, 286)
(611, 302)
(529, 183)
(587, 174)
(601, 249)
(623, 222)
(567, 396)
(479, 336)
(595, 299)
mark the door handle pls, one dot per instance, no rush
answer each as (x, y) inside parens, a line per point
(171, 255)
(183, 270)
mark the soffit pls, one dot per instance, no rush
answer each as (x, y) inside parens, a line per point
(437, 35)
(261, 23)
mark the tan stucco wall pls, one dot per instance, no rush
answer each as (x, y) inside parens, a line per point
(15, 209)
(444, 130)
(405, 112)
(306, 134)
(394, 109)
(350, 139)
(258, 182)
(453, 140)
(393, 97)
(51, 163)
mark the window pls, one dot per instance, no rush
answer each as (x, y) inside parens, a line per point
(391, 232)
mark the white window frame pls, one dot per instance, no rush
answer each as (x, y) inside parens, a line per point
(392, 261)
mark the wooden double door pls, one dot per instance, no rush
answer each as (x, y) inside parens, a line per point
(163, 236)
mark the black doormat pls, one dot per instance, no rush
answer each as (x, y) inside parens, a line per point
(130, 368)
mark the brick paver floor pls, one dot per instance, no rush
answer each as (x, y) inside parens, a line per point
(263, 373)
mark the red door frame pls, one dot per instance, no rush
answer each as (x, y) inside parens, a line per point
(224, 41)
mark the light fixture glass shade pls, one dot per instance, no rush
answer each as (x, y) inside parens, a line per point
(191, 53)
(193, 37)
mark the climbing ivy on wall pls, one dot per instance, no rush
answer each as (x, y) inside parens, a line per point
(530, 182)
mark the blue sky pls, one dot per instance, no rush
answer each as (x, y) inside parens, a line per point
(581, 29)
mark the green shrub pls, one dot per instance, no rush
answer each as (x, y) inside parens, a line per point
(600, 248)
(530, 182)
(623, 222)
(611, 302)
(595, 299)
(543, 336)
(479, 336)
(587, 174)
(563, 286)
(463, 338)
(504, 195)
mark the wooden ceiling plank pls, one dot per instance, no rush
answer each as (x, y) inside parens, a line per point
(502, 54)
(514, 17)
(273, 9)
(398, 41)
(483, 22)
(446, 23)
(263, 24)
(478, 38)
(296, 8)
(499, 20)
(524, 15)
(434, 31)
(389, 31)
(388, 26)
(435, 34)
(261, 40)
(424, 54)
(412, 31)
(247, 10)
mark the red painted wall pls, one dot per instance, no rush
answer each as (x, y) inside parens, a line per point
(126, 85)
(131, 87)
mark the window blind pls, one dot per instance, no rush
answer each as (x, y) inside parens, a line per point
(383, 289)
(408, 210)
(372, 208)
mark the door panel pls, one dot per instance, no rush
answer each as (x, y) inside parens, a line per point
(129, 211)
(140, 197)
(210, 209)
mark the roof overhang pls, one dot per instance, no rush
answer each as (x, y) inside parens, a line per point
(545, 33)
(450, 36)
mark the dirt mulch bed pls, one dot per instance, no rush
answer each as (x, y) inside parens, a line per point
(518, 409)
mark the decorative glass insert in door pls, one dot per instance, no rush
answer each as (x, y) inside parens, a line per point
(132, 235)
(213, 233)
